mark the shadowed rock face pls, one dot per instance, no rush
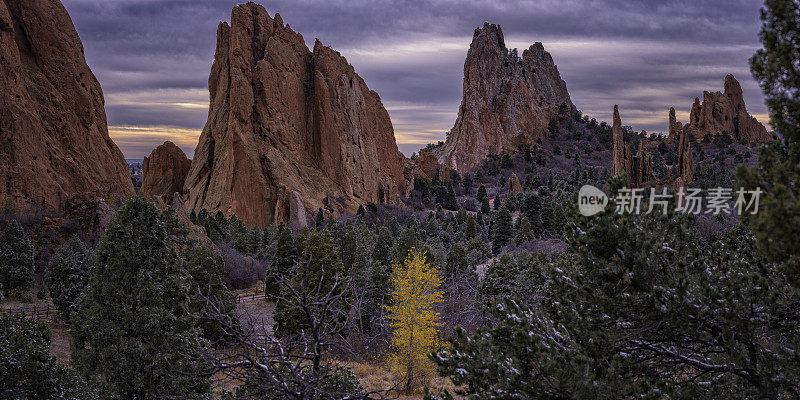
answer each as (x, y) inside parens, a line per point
(507, 101)
(54, 141)
(285, 119)
(164, 172)
(726, 112)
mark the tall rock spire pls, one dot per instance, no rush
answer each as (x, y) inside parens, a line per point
(639, 167)
(620, 152)
(507, 100)
(685, 161)
(675, 127)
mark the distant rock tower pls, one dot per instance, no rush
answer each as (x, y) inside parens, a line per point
(507, 100)
(726, 112)
(638, 168)
(675, 127)
(620, 161)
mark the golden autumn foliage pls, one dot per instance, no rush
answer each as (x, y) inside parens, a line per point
(414, 323)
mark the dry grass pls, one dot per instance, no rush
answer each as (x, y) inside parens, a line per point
(377, 376)
(16, 302)
(61, 344)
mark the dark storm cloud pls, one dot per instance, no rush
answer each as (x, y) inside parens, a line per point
(152, 57)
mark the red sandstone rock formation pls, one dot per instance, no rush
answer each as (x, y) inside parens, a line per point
(685, 162)
(164, 172)
(726, 112)
(620, 161)
(53, 133)
(428, 166)
(507, 101)
(284, 119)
(675, 127)
(639, 167)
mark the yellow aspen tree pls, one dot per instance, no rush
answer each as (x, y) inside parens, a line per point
(414, 323)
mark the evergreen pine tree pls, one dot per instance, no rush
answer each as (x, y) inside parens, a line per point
(775, 68)
(467, 183)
(594, 337)
(382, 251)
(547, 213)
(407, 241)
(503, 232)
(485, 205)
(207, 271)
(456, 262)
(286, 254)
(537, 228)
(498, 282)
(320, 218)
(349, 249)
(470, 228)
(524, 231)
(132, 330)
(28, 370)
(68, 275)
(450, 202)
(482, 193)
(318, 266)
(559, 221)
(16, 258)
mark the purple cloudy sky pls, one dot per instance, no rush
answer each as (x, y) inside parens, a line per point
(152, 57)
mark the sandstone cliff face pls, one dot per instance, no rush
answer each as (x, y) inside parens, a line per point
(164, 172)
(53, 135)
(507, 101)
(726, 112)
(284, 119)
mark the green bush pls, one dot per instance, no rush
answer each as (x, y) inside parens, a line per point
(132, 330)
(16, 258)
(28, 371)
(68, 275)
